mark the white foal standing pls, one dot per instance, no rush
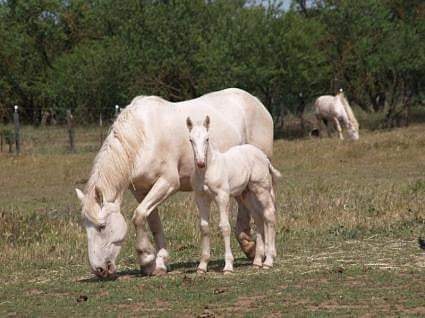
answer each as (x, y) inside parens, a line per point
(243, 172)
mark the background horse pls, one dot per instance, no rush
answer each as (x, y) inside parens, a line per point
(148, 151)
(336, 109)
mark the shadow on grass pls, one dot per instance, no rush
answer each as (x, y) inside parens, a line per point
(177, 268)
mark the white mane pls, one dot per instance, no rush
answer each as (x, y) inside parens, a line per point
(113, 164)
(348, 110)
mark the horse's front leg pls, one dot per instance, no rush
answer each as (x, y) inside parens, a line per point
(338, 128)
(203, 203)
(222, 200)
(157, 230)
(160, 191)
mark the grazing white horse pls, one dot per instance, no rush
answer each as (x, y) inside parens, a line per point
(337, 110)
(147, 151)
(243, 172)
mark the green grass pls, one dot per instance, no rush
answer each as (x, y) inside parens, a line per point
(349, 215)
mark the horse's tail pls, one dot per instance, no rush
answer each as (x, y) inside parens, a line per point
(349, 112)
(275, 175)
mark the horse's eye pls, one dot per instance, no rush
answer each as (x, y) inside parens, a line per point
(100, 228)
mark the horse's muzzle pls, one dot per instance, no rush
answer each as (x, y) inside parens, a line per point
(108, 271)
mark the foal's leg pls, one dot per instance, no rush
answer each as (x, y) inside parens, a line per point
(222, 200)
(160, 191)
(243, 231)
(269, 213)
(338, 127)
(203, 204)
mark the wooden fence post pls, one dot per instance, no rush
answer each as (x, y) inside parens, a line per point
(17, 130)
(71, 132)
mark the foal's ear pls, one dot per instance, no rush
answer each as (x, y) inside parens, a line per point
(98, 196)
(207, 122)
(80, 194)
(189, 124)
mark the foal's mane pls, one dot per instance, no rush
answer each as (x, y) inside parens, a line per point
(113, 164)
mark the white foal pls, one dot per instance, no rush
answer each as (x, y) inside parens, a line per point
(243, 172)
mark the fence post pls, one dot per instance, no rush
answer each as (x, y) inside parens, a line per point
(1, 141)
(70, 124)
(17, 130)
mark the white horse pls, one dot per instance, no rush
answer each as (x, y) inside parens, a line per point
(336, 109)
(147, 151)
(243, 172)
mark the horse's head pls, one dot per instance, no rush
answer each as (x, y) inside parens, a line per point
(199, 139)
(106, 230)
(353, 132)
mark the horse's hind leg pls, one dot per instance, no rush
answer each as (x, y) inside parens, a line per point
(243, 231)
(328, 127)
(255, 210)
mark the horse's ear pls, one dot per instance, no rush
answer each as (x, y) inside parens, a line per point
(189, 124)
(98, 196)
(80, 194)
(207, 122)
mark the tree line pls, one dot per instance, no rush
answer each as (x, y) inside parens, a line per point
(89, 55)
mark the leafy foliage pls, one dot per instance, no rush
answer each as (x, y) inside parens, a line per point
(90, 55)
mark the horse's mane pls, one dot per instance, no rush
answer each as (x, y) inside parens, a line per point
(113, 164)
(349, 111)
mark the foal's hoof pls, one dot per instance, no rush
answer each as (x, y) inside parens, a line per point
(256, 266)
(159, 272)
(265, 266)
(227, 272)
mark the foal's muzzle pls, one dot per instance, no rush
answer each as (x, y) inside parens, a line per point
(200, 164)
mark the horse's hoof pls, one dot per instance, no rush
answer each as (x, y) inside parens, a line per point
(249, 249)
(256, 266)
(159, 272)
(228, 272)
(265, 266)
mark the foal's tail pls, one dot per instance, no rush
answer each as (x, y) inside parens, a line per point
(275, 175)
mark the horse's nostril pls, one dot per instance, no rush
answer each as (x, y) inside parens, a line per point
(99, 270)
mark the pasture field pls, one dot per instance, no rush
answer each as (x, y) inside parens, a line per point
(349, 218)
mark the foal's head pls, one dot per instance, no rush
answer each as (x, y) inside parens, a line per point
(199, 139)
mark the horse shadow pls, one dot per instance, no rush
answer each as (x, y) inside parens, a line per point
(188, 267)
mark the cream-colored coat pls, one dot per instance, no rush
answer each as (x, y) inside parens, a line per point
(148, 151)
(243, 172)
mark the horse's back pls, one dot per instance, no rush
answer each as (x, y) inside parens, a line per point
(240, 111)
